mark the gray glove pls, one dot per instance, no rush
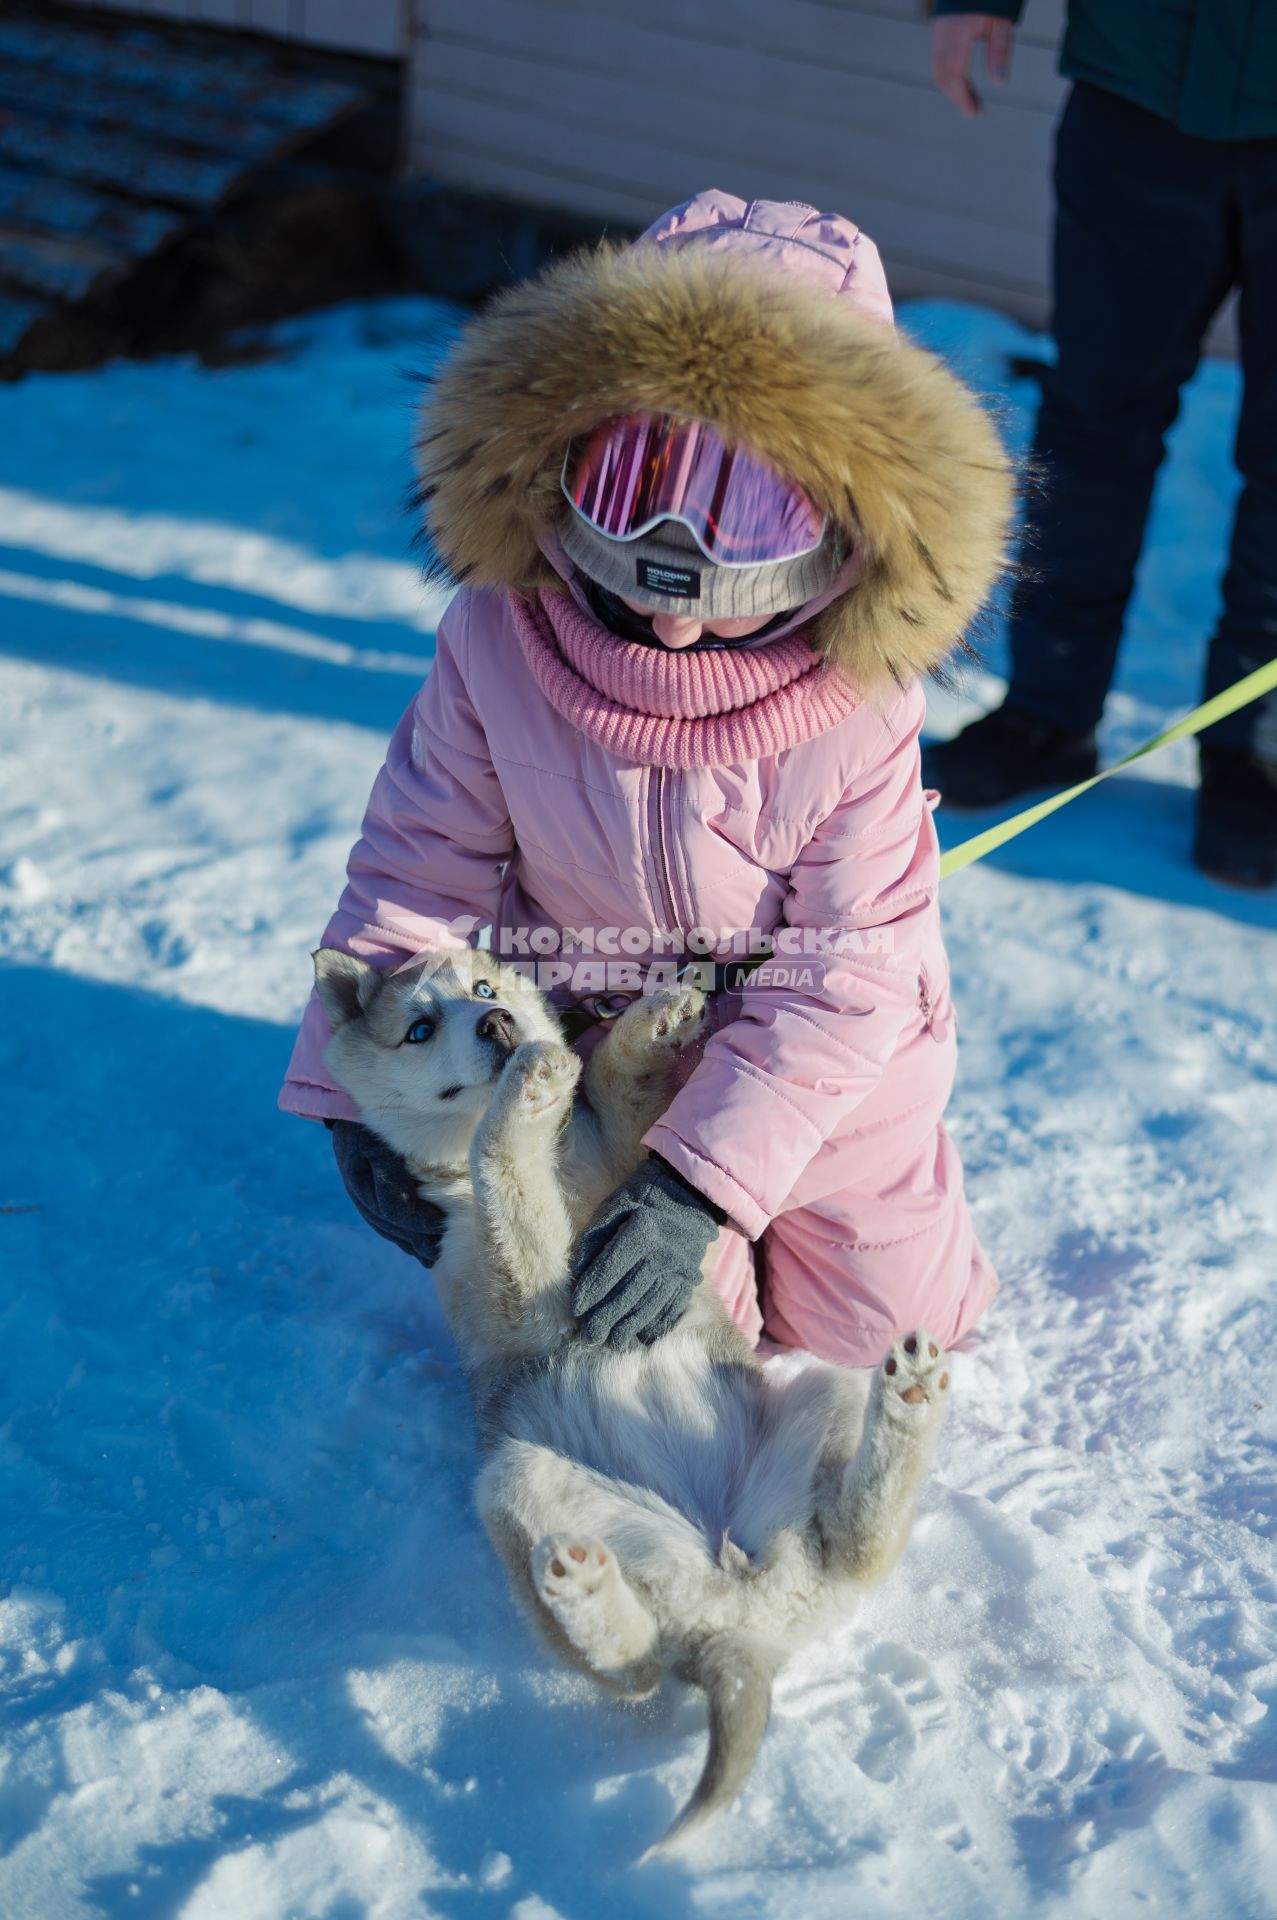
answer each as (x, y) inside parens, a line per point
(385, 1193)
(638, 1262)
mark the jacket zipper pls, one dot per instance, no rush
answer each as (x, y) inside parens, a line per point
(661, 863)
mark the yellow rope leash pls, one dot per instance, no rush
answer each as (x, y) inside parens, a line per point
(1261, 681)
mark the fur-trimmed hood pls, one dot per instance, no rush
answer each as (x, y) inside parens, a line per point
(772, 322)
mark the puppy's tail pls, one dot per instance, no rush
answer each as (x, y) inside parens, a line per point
(736, 1670)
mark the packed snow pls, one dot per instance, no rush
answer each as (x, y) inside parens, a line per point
(256, 1658)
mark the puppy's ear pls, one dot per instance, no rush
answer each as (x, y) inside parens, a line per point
(346, 985)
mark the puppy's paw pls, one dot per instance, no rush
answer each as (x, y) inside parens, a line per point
(567, 1570)
(678, 1014)
(913, 1381)
(662, 1023)
(539, 1079)
(578, 1580)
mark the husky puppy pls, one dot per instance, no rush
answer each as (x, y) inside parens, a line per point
(670, 1508)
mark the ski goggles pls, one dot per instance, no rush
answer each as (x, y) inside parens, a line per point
(631, 474)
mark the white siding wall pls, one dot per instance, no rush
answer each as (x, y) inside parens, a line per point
(377, 27)
(622, 109)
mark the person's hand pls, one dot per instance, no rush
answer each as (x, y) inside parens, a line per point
(954, 39)
(385, 1193)
(638, 1262)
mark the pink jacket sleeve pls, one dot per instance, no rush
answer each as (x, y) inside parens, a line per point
(774, 1083)
(435, 838)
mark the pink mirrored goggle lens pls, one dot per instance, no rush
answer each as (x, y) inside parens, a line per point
(631, 474)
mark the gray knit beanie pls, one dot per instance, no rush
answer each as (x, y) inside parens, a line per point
(666, 571)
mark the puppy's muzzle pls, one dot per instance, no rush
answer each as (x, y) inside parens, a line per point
(497, 1027)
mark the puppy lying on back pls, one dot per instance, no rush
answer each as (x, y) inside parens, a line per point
(665, 1508)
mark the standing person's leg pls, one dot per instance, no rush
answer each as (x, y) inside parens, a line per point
(1143, 257)
(1237, 808)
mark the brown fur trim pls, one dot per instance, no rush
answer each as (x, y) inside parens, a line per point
(876, 430)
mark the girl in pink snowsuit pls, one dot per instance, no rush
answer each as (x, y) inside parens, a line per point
(602, 794)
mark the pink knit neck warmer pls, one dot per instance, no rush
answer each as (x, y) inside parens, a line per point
(678, 709)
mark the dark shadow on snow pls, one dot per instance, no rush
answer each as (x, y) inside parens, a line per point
(252, 673)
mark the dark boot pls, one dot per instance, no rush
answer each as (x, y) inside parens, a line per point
(1236, 838)
(1005, 754)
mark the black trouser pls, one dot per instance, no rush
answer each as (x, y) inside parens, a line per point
(1153, 227)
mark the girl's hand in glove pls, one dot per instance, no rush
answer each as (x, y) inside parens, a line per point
(639, 1261)
(385, 1193)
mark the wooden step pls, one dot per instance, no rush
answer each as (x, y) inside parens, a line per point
(112, 139)
(146, 170)
(42, 203)
(245, 80)
(62, 269)
(96, 100)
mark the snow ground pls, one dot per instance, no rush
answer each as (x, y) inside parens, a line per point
(255, 1657)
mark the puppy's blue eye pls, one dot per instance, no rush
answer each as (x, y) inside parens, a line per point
(420, 1030)
(485, 989)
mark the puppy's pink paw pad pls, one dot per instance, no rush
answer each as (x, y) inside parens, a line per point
(563, 1566)
(914, 1376)
(544, 1077)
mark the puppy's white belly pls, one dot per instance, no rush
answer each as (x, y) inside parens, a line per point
(675, 1429)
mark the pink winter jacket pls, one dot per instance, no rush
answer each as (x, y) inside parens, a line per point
(505, 798)
(493, 806)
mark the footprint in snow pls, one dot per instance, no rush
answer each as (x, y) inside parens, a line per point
(1076, 1787)
(905, 1705)
(170, 949)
